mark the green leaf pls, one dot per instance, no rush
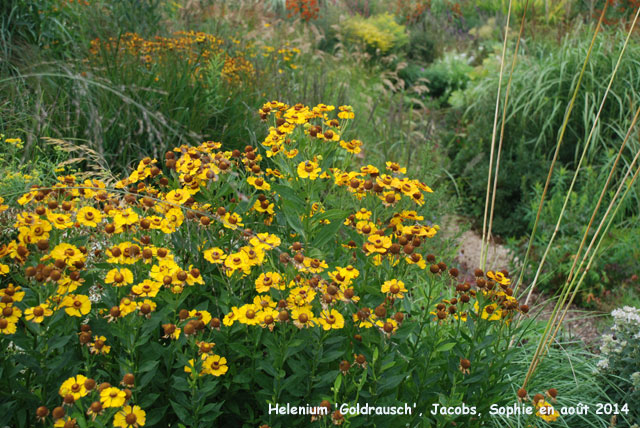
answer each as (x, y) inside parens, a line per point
(391, 382)
(148, 366)
(447, 346)
(288, 194)
(326, 233)
(183, 414)
(337, 383)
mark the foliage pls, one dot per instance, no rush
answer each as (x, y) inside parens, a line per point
(620, 363)
(612, 271)
(542, 85)
(448, 74)
(377, 33)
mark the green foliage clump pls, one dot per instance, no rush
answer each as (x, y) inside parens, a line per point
(448, 74)
(380, 32)
(618, 258)
(543, 84)
(423, 46)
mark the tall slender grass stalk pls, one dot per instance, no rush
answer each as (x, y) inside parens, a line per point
(591, 259)
(504, 120)
(570, 286)
(545, 339)
(578, 167)
(493, 136)
(559, 143)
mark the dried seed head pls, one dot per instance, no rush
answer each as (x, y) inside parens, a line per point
(42, 412)
(89, 384)
(57, 413)
(128, 379)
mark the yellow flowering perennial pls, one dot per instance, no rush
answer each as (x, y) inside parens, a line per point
(215, 241)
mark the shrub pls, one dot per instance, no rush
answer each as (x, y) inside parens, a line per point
(377, 33)
(237, 280)
(448, 74)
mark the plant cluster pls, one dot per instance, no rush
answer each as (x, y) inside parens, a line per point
(307, 9)
(411, 10)
(304, 273)
(196, 49)
(376, 33)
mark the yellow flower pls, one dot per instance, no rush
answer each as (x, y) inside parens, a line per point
(202, 315)
(489, 312)
(214, 255)
(7, 327)
(214, 365)
(269, 280)
(265, 241)
(172, 220)
(394, 287)
(9, 312)
(498, 277)
(232, 221)
(127, 306)
(237, 261)
(76, 305)
(352, 146)
(112, 397)
(37, 313)
(146, 288)
(67, 252)
(377, 244)
(127, 217)
(98, 345)
(14, 292)
(546, 411)
(258, 183)
(416, 259)
(247, 314)
(389, 326)
(130, 417)
(89, 216)
(331, 319)
(74, 386)
(119, 277)
(59, 221)
(177, 197)
(394, 167)
(308, 169)
(303, 317)
(313, 265)
(346, 112)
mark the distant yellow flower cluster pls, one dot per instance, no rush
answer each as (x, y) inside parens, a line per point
(196, 48)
